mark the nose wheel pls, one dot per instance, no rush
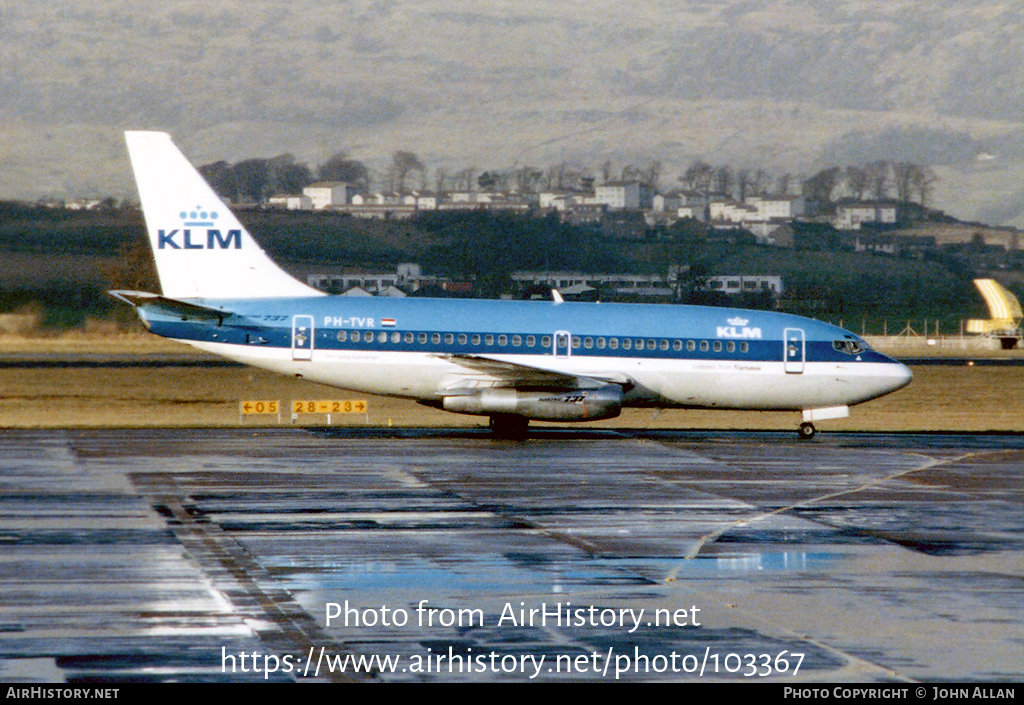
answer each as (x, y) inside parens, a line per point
(806, 431)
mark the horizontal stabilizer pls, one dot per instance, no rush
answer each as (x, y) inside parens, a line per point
(162, 305)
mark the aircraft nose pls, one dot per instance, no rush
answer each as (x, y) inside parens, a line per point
(900, 375)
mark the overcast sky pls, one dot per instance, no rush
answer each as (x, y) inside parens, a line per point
(785, 85)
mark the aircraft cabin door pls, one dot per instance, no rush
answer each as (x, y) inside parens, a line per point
(302, 337)
(794, 350)
(563, 343)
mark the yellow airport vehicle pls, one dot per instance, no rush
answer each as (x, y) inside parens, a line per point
(1006, 314)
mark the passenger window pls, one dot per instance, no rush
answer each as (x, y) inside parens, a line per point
(517, 340)
(703, 346)
(664, 345)
(744, 347)
(382, 337)
(396, 337)
(355, 336)
(601, 343)
(718, 346)
(730, 346)
(576, 342)
(677, 345)
(449, 338)
(489, 339)
(613, 343)
(342, 336)
(463, 339)
(627, 343)
(588, 343)
(545, 342)
(422, 338)
(502, 340)
(691, 346)
(476, 339)
(409, 338)
(435, 338)
(531, 340)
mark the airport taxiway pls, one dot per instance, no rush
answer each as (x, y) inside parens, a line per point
(212, 554)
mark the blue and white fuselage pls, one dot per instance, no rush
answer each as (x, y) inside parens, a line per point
(510, 360)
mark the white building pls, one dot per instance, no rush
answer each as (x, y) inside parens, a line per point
(778, 207)
(624, 195)
(292, 203)
(325, 194)
(408, 276)
(850, 214)
(731, 212)
(739, 284)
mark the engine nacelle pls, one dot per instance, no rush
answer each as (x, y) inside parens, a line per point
(569, 405)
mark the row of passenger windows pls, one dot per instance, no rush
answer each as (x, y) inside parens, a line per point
(530, 341)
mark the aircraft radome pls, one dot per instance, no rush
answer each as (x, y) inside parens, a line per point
(509, 360)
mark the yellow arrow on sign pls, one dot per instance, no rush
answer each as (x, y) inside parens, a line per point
(328, 406)
(259, 406)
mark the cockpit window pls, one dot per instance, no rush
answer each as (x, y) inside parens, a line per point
(850, 347)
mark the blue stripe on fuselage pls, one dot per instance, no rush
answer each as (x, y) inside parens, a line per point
(269, 322)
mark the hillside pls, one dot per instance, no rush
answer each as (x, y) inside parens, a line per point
(784, 85)
(63, 264)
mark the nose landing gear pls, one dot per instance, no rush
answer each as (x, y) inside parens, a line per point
(806, 431)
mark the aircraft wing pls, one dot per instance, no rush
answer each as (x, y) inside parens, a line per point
(518, 375)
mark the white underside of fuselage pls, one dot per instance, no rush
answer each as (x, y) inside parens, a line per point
(718, 384)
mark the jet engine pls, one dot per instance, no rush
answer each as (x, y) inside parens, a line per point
(564, 405)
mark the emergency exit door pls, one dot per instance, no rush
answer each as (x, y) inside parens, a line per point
(302, 338)
(794, 350)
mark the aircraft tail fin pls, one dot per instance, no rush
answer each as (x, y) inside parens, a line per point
(200, 247)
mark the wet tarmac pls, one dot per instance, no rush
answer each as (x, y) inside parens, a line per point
(441, 555)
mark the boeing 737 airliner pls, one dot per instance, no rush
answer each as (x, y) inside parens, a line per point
(509, 360)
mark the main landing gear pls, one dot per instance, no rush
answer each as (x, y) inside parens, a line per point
(806, 431)
(509, 427)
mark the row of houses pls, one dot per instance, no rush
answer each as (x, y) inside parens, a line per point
(408, 278)
(645, 285)
(760, 215)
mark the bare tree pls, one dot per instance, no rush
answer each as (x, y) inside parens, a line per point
(877, 175)
(923, 181)
(856, 179)
(465, 179)
(744, 180)
(527, 179)
(563, 177)
(819, 187)
(403, 164)
(723, 180)
(652, 174)
(698, 176)
(342, 168)
(902, 174)
(441, 180)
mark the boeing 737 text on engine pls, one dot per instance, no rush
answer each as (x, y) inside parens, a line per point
(511, 361)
